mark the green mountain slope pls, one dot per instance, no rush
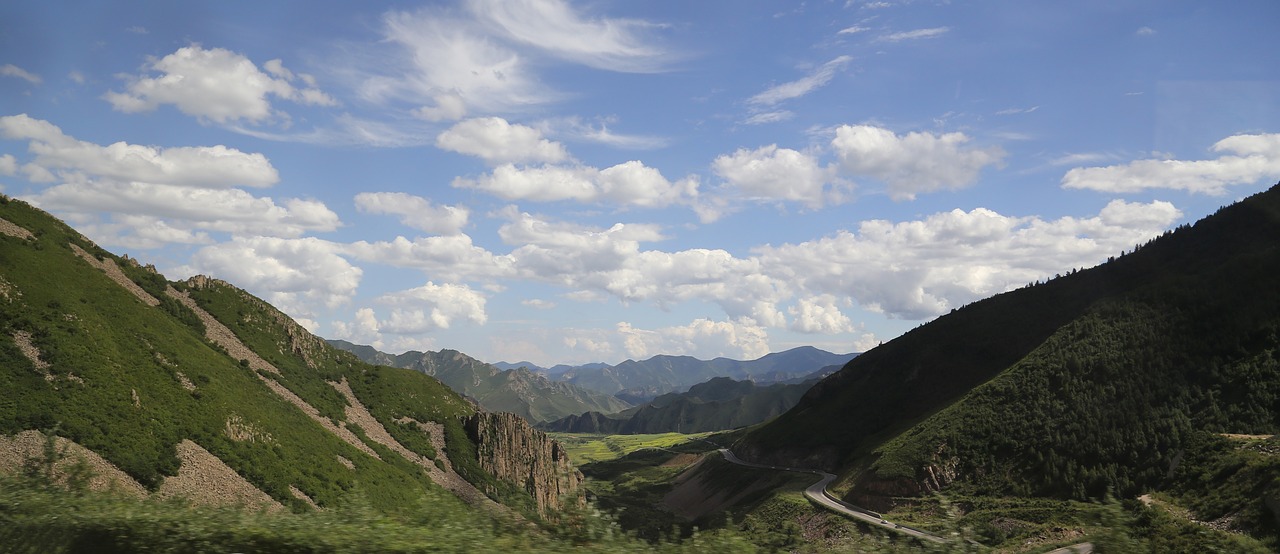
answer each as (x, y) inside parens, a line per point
(718, 404)
(519, 391)
(137, 369)
(1093, 382)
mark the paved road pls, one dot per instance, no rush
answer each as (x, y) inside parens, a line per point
(1082, 548)
(817, 492)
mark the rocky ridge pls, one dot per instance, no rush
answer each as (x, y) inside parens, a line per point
(512, 450)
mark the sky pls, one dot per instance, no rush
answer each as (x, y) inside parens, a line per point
(570, 182)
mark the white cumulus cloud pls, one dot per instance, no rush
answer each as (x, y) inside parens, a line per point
(913, 163)
(202, 166)
(819, 314)
(292, 274)
(215, 85)
(920, 269)
(701, 338)
(178, 192)
(496, 141)
(626, 184)
(415, 211)
(432, 307)
(1243, 159)
(770, 173)
(450, 257)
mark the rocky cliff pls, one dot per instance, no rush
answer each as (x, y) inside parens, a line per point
(515, 452)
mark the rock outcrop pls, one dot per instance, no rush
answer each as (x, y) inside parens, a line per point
(515, 452)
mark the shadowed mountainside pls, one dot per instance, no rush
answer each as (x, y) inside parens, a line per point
(719, 404)
(1100, 380)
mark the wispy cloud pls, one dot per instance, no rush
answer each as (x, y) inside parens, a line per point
(1145, 31)
(800, 87)
(913, 35)
(853, 30)
(1079, 158)
(598, 131)
(769, 117)
(612, 44)
(10, 70)
(1015, 111)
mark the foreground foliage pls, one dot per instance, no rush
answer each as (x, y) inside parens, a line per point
(44, 519)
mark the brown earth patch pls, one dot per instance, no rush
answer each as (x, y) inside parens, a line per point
(681, 460)
(186, 383)
(297, 493)
(203, 479)
(14, 230)
(113, 271)
(215, 331)
(345, 462)
(29, 445)
(239, 430)
(1239, 437)
(29, 350)
(8, 291)
(447, 478)
(222, 336)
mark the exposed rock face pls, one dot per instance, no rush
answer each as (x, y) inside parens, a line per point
(512, 450)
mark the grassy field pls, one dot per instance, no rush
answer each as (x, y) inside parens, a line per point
(585, 449)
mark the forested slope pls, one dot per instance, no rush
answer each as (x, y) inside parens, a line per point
(1094, 382)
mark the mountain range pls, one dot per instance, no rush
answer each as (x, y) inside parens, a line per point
(1155, 373)
(640, 381)
(519, 390)
(718, 404)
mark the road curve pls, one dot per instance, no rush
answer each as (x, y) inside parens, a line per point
(817, 493)
(1082, 548)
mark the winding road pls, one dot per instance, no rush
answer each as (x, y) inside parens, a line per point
(817, 493)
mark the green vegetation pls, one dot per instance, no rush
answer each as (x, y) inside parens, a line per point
(519, 391)
(1103, 381)
(130, 381)
(42, 519)
(1233, 482)
(585, 449)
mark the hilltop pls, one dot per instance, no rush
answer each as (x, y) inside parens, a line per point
(519, 391)
(1103, 381)
(718, 404)
(641, 381)
(199, 389)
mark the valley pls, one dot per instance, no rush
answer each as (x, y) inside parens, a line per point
(1127, 406)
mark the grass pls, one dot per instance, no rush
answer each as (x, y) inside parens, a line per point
(586, 449)
(37, 518)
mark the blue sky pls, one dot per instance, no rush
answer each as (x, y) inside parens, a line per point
(567, 182)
